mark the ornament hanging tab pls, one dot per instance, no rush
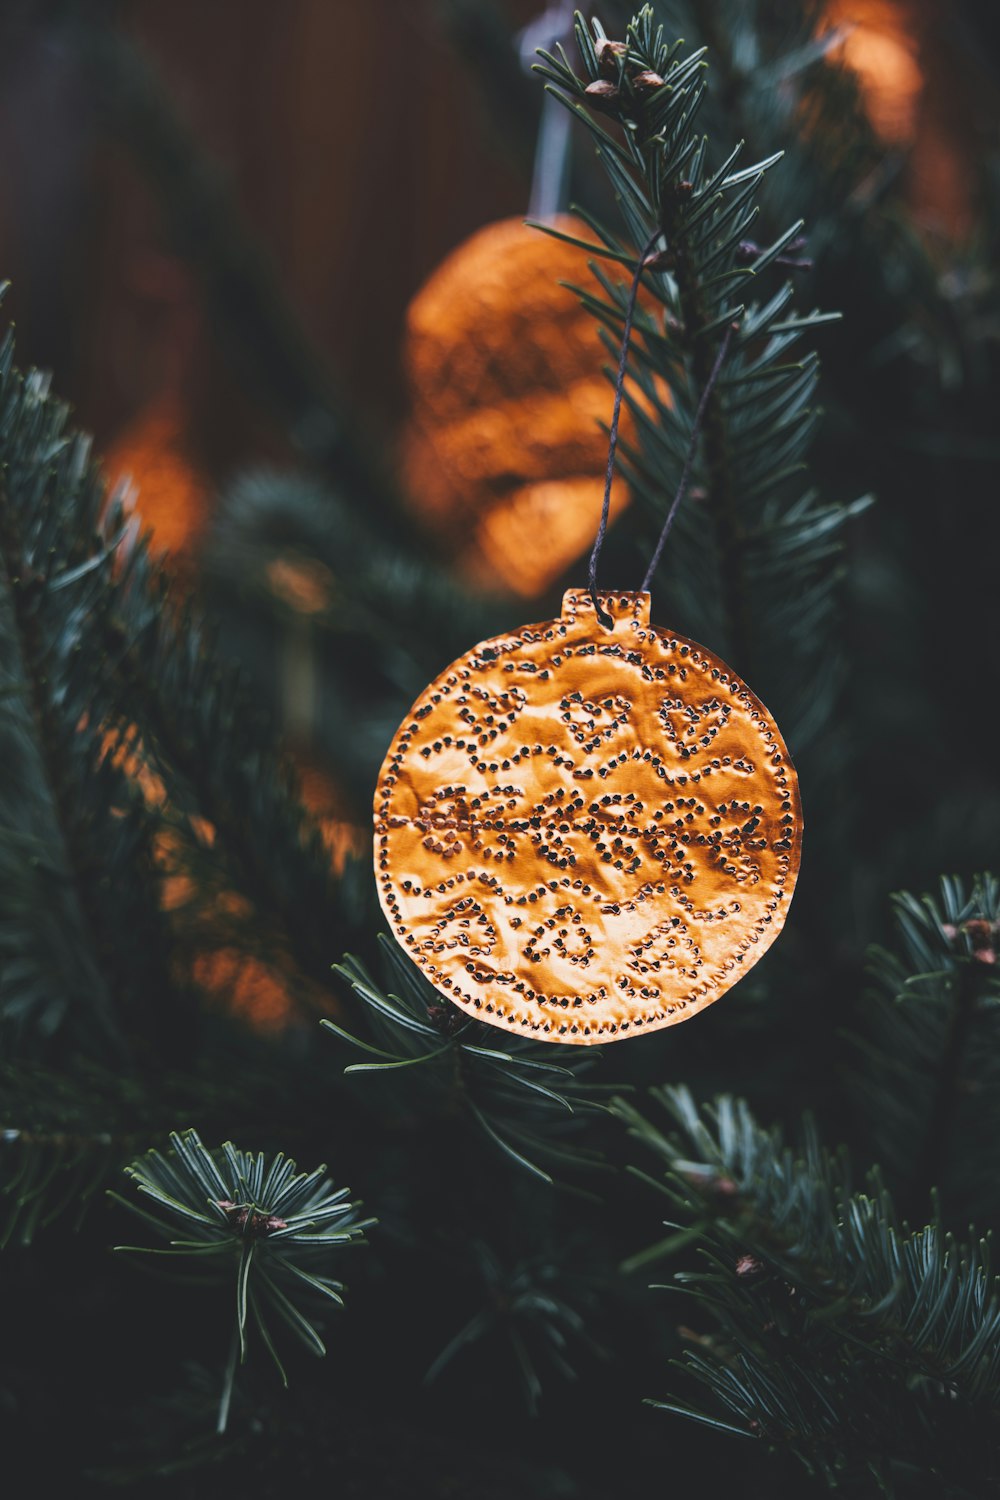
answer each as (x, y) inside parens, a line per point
(584, 833)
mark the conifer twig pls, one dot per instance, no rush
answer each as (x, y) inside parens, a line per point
(80, 862)
(752, 545)
(696, 428)
(932, 1157)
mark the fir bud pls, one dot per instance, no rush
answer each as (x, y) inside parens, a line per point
(748, 1267)
(249, 1221)
(712, 1184)
(981, 935)
(608, 54)
(980, 932)
(647, 82)
(602, 94)
(447, 1018)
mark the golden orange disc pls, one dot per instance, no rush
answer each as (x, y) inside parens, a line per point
(585, 833)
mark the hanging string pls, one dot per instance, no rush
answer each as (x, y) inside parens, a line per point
(699, 418)
(607, 620)
(602, 529)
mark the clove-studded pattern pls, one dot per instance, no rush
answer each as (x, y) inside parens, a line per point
(585, 833)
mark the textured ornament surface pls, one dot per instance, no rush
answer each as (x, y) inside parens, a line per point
(584, 834)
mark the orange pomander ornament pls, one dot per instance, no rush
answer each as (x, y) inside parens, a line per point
(504, 442)
(586, 833)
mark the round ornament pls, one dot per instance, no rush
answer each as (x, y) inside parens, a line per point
(583, 832)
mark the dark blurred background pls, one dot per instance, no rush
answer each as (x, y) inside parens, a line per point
(332, 130)
(350, 146)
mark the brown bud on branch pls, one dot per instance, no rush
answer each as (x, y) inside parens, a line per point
(248, 1221)
(602, 94)
(608, 53)
(748, 1266)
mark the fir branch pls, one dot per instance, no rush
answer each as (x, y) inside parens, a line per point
(858, 1346)
(83, 870)
(189, 710)
(366, 591)
(116, 675)
(526, 1307)
(732, 568)
(933, 1157)
(931, 1030)
(256, 1223)
(720, 490)
(37, 845)
(47, 1176)
(518, 1096)
(71, 825)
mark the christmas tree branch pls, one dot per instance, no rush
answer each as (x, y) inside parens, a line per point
(931, 1032)
(849, 1342)
(120, 684)
(520, 1098)
(106, 966)
(932, 1158)
(45, 1175)
(721, 498)
(182, 745)
(368, 659)
(26, 659)
(257, 1222)
(750, 545)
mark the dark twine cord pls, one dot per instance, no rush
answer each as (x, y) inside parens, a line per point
(699, 418)
(602, 530)
(644, 260)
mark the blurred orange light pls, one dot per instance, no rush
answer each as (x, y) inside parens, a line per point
(171, 497)
(879, 47)
(303, 583)
(248, 987)
(343, 838)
